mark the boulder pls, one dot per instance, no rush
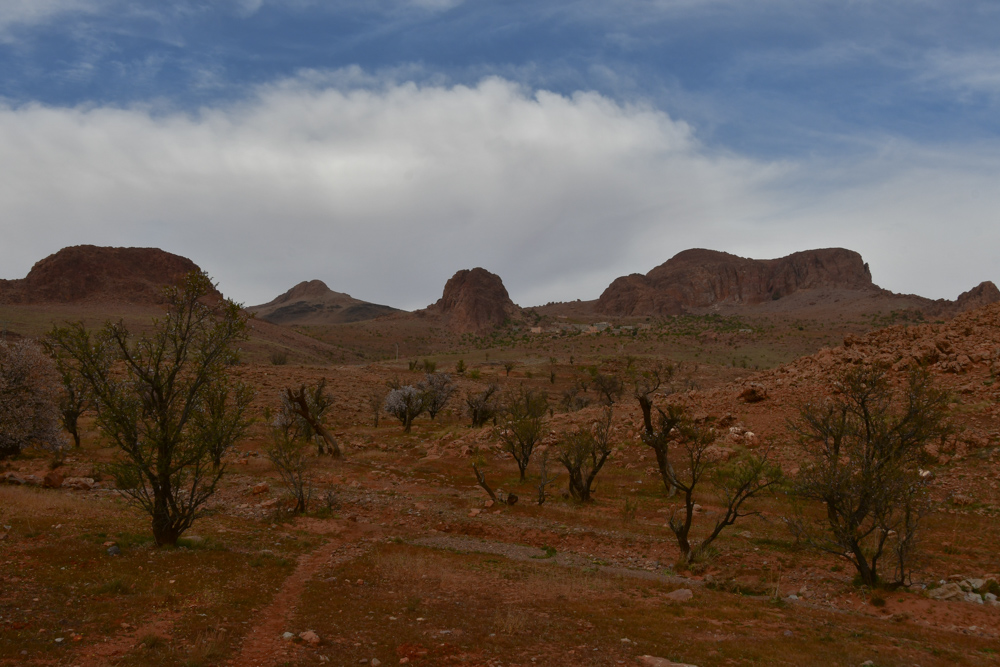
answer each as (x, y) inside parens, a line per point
(11, 477)
(79, 483)
(53, 479)
(680, 595)
(950, 591)
(260, 488)
(753, 392)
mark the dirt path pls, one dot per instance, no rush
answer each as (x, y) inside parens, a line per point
(263, 644)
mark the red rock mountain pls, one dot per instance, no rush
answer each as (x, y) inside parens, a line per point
(89, 273)
(474, 301)
(699, 278)
(312, 302)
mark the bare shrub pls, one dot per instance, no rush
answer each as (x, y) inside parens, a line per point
(288, 454)
(482, 405)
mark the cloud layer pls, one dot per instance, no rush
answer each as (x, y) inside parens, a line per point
(384, 188)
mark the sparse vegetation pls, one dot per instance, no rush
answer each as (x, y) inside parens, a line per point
(29, 412)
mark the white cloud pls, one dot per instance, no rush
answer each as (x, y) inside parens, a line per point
(384, 189)
(970, 73)
(14, 13)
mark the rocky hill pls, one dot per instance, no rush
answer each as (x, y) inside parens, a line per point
(474, 301)
(96, 274)
(698, 279)
(312, 302)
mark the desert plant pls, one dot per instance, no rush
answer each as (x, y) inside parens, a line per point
(375, 400)
(644, 384)
(584, 452)
(521, 424)
(609, 386)
(429, 366)
(223, 417)
(406, 404)
(509, 365)
(306, 408)
(279, 358)
(287, 452)
(75, 398)
(146, 403)
(482, 405)
(543, 478)
(29, 395)
(460, 367)
(865, 445)
(438, 390)
(737, 483)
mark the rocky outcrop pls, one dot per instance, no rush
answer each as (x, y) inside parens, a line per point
(89, 273)
(312, 302)
(982, 294)
(700, 278)
(474, 301)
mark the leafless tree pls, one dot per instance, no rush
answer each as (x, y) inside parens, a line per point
(375, 400)
(287, 453)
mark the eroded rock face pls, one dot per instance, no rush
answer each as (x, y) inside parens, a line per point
(700, 278)
(474, 300)
(982, 294)
(93, 273)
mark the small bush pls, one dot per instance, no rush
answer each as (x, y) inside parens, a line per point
(279, 358)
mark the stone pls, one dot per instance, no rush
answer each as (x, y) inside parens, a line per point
(652, 661)
(754, 392)
(948, 591)
(680, 595)
(79, 483)
(260, 488)
(11, 477)
(288, 636)
(33, 480)
(375, 662)
(976, 584)
(113, 550)
(973, 597)
(53, 479)
(267, 504)
(309, 637)
(474, 511)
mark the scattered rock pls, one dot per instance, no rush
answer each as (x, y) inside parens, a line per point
(474, 511)
(375, 662)
(113, 550)
(651, 661)
(309, 637)
(288, 636)
(261, 488)
(79, 483)
(680, 595)
(11, 477)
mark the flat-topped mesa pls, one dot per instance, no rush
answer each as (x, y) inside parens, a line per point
(474, 301)
(87, 273)
(311, 302)
(701, 278)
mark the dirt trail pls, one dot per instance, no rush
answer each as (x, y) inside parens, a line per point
(263, 644)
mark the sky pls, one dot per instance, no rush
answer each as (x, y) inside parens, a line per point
(382, 145)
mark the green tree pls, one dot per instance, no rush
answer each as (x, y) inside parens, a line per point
(521, 424)
(584, 452)
(865, 444)
(154, 399)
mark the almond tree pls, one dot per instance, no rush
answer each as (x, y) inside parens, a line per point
(29, 394)
(521, 425)
(153, 397)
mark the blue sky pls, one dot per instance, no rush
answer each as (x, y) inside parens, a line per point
(381, 145)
